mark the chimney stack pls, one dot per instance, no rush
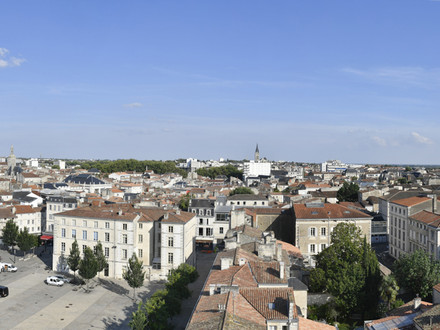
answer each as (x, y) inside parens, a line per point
(417, 302)
(282, 270)
(165, 216)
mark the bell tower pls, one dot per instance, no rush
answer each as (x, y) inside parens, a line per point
(257, 154)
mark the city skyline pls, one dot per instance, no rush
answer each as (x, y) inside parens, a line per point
(307, 81)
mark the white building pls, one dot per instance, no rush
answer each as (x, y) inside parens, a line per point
(255, 169)
(57, 204)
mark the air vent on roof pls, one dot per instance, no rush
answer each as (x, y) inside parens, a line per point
(347, 212)
(314, 204)
(314, 212)
(271, 305)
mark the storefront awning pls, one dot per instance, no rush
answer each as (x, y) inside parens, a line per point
(46, 237)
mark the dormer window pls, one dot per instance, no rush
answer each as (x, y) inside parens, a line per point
(271, 306)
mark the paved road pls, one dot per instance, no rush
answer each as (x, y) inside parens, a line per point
(32, 304)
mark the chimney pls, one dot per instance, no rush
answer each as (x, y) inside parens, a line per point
(291, 305)
(242, 261)
(434, 203)
(225, 263)
(211, 289)
(282, 270)
(178, 211)
(165, 216)
(279, 251)
(417, 302)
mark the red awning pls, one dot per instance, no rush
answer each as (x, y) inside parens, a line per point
(46, 237)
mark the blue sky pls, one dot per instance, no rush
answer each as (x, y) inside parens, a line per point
(314, 80)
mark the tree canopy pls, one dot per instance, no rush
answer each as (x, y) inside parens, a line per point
(417, 273)
(134, 274)
(348, 269)
(123, 165)
(100, 257)
(10, 233)
(88, 266)
(348, 192)
(25, 240)
(74, 258)
(213, 172)
(241, 191)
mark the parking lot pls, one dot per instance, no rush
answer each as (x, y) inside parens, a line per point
(32, 304)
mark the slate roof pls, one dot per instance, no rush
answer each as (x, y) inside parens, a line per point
(205, 203)
(83, 178)
(246, 197)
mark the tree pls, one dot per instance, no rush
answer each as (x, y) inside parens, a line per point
(157, 313)
(350, 270)
(388, 290)
(178, 284)
(139, 319)
(417, 273)
(134, 275)
(74, 258)
(10, 233)
(100, 257)
(348, 192)
(88, 266)
(26, 241)
(184, 202)
(241, 191)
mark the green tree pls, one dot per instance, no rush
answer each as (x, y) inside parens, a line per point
(157, 313)
(74, 258)
(139, 319)
(388, 290)
(178, 284)
(100, 257)
(88, 266)
(348, 192)
(350, 269)
(317, 280)
(10, 233)
(134, 274)
(184, 202)
(26, 241)
(417, 272)
(241, 191)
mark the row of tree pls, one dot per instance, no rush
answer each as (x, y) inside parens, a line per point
(213, 172)
(90, 264)
(123, 165)
(11, 236)
(163, 304)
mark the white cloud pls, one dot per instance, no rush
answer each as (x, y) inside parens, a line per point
(421, 139)
(9, 61)
(133, 105)
(379, 141)
(416, 76)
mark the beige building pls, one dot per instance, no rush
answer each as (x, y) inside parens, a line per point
(424, 233)
(124, 230)
(314, 223)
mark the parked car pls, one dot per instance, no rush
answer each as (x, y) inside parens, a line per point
(63, 278)
(5, 267)
(53, 280)
(4, 291)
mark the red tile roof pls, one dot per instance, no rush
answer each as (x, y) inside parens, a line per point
(327, 211)
(411, 201)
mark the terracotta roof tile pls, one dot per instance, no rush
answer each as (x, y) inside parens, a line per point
(327, 211)
(411, 201)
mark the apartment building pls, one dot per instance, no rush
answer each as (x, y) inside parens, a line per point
(314, 223)
(56, 204)
(23, 216)
(162, 239)
(399, 212)
(204, 211)
(424, 233)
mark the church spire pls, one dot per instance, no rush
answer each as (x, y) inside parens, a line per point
(257, 154)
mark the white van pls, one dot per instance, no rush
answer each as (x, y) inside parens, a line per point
(5, 267)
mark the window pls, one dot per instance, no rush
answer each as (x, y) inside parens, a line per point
(208, 231)
(95, 224)
(170, 241)
(73, 233)
(63, 232)
(124, 226)
(84, 248)
(323, 231)
(84, 223)
(50, 207)
(140, 226)
(170, 258)
(107, 252)
(63, 247)
(73, 222)
(262, 203)
(124, 254)
(170, 229)
(84, 234)
(221, 217)
(312, 248)
(200, 231)
(124, 238)
(200, 212)
(323, 246)
(107, 225)
(140, 253)
(221, 230)
(313, 231)
(107, 237)
(208, 212)
(200, 221)
(95, 235)
(140, 238)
